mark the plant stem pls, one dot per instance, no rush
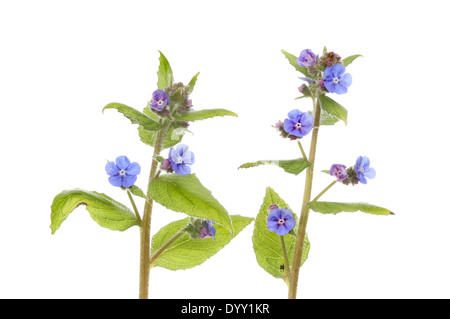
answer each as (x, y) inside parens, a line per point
(324, 191)
(167, 244)
(144, 273)
(138, 217)
(286, 259)
(302, 150)
(301, 233)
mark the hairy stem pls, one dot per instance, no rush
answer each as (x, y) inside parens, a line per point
(301, 233)
(286, 259)
(144, 274)
(138, 217)
(164, 247)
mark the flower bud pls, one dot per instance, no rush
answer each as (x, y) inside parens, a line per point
(201, 228)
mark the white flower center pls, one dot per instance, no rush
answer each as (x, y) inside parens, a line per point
(280, 221)
(160, 102)
(179, 160)
(361, 170)
(298, 125)
(122, 172)
(335, 80)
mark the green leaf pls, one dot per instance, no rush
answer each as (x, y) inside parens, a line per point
(135, 116)
(204, 114)
(185, 252)
(350, 59)
(185, 194)
(267, 244)
(334, 208)
(192, 83)
(333, 108)
(293, 61)
(173, 136)
(295, 166)
(104, 210)
(165, 76)
(137, 191)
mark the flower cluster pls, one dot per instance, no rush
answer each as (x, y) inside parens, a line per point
(173, 100)
(122, 173)
(327, 72)
(280, 221)
(200, 228)
(353, 175)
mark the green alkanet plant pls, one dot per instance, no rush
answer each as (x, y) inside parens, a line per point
(282, 257)
(181, 244)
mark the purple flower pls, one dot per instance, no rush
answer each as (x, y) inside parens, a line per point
(122, 172)
(339, 171)
(336, 80)
(208, 230)
(362, 169)
(280, 221)
(307, 58)
(298, 124)
(160, 100)
(180, 158)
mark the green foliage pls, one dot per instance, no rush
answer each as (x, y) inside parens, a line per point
(104, 210)
(204, 114)
(350, 59)
(165, 75)
(293, 61)
(135, 116)
(333, 108)
(192, 83)
(185, 194)
(137, 191)
(334, 208)
(295, 166)
(185, 252)
(267, 244)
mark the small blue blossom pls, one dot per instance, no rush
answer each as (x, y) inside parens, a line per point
(160, 100)
(298, 123)
(180, 158)
(307, 58)
(280, 221)
(122, 173)
(362, 169)
(336, 80)
(208, 230)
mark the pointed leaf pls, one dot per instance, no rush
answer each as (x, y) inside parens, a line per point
(204, 114)
(333, 108)
(135, 116)
(293, 61)
(185, 194)
(137, 191)
(295, 166)
(165, 76)
(192, 83)
(350, 59)
(334, 208)
(267, 244)
(185, 252)
(104, 210)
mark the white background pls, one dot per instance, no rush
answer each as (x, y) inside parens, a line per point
(62, 61)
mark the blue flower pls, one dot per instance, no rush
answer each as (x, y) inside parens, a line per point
(280, 221)
(122, 172)
(307, 58)
(362, 169)
(336, 80)
(160, 100)
(180, 158)
(208, 230)
(298, 124)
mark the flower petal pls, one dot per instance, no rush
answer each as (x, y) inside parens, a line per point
(337, 70)
(115, 180)
(182, 169)
(122, 162)
(369, 172)
(330, 86)
(295, 115)
(282, 230)
(111, 168)
(288, 126)
(128, 180)
(362, 179)
(289, 223)
(346, 80)
(340, 89)
(134, 169)
(272, 225)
